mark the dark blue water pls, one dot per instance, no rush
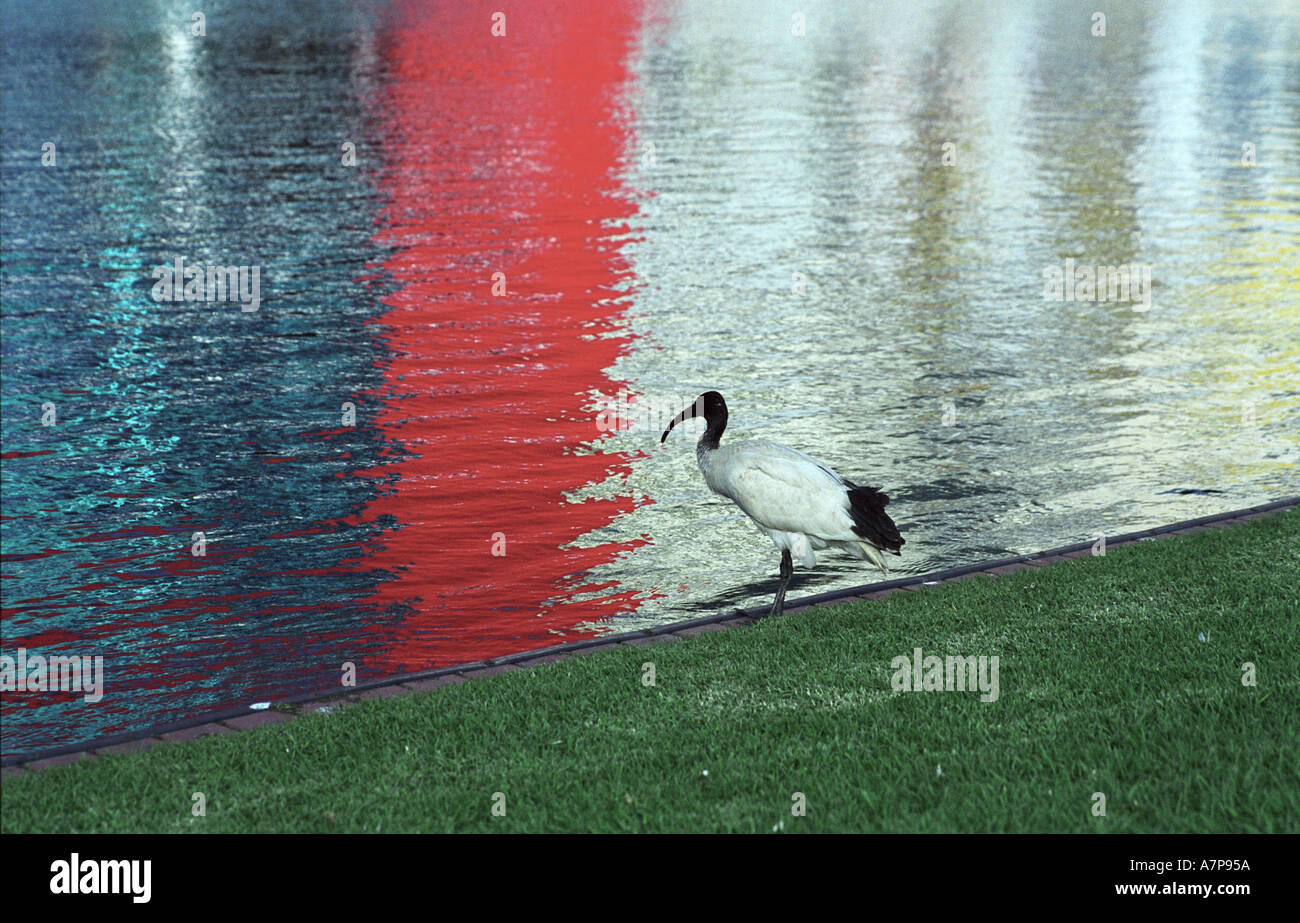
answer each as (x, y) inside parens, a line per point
(177, 418)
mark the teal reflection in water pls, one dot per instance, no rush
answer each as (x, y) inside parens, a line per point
(176, 418)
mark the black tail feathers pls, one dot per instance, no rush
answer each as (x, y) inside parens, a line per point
(867, 507)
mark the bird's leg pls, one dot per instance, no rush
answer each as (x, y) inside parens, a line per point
(787, 568)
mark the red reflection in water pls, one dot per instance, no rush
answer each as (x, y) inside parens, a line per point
(502, 156)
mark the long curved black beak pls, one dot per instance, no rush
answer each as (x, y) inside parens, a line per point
(694, 410)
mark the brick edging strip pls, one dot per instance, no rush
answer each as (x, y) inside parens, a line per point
(284, 709)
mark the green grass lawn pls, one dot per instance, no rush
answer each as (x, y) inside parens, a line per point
(1104, 687)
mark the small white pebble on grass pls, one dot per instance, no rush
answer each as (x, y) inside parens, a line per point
(938, 770)
(704, 773)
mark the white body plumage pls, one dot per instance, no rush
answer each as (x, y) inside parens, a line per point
(801, 504)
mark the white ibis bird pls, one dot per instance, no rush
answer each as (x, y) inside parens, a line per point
(799, 502)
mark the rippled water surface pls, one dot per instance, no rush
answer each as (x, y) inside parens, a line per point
(553, 239)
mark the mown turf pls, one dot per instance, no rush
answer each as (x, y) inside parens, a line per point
(1104, 687)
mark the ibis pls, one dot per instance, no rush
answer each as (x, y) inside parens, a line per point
(801, 503)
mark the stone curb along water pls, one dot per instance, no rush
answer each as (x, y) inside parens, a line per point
(283, 710)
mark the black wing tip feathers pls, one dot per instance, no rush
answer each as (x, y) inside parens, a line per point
(867, 507)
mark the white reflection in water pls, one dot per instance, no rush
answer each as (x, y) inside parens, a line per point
(782, 158)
